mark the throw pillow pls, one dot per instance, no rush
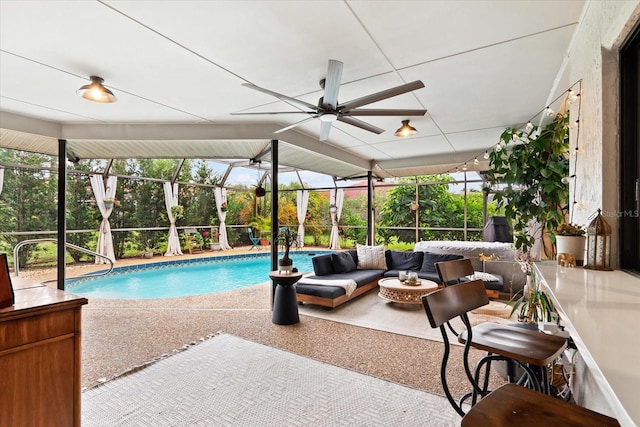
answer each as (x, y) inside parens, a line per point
(398, 260)
(322, 265)
(342, 262)
(371, 257)
(429, 261)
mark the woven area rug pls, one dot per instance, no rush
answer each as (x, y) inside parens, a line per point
(371, 311)
(229, 381)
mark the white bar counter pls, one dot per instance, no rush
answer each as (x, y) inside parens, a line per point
(601, 311)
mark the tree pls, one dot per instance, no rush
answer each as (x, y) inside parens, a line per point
(434, 201)
(32, 205)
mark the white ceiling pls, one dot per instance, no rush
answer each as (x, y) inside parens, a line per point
(179, 66)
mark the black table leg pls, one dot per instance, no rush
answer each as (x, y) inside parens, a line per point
(285, 306)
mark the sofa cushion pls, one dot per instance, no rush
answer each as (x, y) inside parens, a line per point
(361, 277)
(371, 257)
(322, 265)
(342, 262)
(430, 259)
(399, 260)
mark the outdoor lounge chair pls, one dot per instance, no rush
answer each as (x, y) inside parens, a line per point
(191, 240)
(255, 241)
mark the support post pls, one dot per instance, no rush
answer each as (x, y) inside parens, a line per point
(62, 218)
(370, 209)
(274, 213)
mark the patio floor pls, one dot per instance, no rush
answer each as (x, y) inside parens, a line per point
(120, 335)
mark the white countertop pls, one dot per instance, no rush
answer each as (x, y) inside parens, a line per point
(601, 310)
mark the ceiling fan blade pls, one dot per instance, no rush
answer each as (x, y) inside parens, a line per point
(281, 96)
(360, 124)
(379, 96)
(295, 124)
(274, 112)
(383, 112)
(324, 131)
(332, 83)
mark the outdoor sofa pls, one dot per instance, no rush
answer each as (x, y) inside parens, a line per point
(340, 267)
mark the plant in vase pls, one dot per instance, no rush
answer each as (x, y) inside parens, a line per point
(532, 303)
(286, 238)
(215, 241)
(570, 239)
(109, 203)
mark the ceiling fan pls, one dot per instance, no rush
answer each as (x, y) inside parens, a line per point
(329, 110)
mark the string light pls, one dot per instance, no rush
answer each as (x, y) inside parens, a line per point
(571, 96)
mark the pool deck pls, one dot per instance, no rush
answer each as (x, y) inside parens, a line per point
(120, 335)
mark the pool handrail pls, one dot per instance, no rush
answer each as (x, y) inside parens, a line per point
(16, 249)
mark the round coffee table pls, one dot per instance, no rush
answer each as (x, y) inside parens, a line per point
(391, 289)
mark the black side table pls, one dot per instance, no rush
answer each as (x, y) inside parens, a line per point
(285, 305)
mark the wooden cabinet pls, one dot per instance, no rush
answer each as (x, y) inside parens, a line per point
(40, 358)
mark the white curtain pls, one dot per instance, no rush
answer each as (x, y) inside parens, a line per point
(170, 200)
(1, 179)
(105, 241)
(221, 197)
(302, 201)
(336, 197)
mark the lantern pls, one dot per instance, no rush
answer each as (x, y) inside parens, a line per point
(599, 244)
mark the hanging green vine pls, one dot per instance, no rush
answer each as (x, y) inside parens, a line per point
(526, 175)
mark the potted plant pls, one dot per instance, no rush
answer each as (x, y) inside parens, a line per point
(148, 252)
(261, 226)
(215, 240)
(533, 304)
(223, 206)
(260, 191)
(286, 238)
(109, 203)
(527, 173)
(570, 239)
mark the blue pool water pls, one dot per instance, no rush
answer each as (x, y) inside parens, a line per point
(184, 278)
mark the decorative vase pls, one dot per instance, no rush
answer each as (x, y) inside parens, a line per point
(286, 265)
(108, 204)
(526, 291)
(573, 245)
(215, 246)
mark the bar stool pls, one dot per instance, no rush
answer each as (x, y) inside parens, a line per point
(511, 404)
(514, 345)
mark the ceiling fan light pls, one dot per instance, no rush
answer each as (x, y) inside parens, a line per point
(328, 117)
(406, 130)
(96, 92)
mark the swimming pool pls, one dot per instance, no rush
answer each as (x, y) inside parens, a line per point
(184, 277)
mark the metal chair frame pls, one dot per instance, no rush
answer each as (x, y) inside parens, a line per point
(255, 241)
(456, 301)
